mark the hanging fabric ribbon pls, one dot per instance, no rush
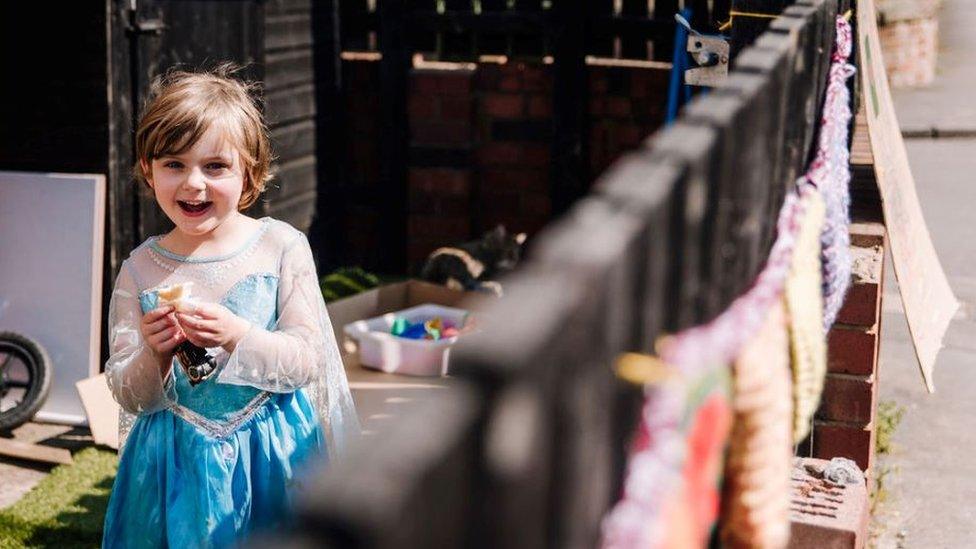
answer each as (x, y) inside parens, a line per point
(804, 303)
(830, 174)
(756, 499)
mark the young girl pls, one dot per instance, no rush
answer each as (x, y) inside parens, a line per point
(206, 463)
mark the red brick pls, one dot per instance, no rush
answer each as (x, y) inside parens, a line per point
(852, 350)
(504, 105)
(510, 82)
(628, 135)
(540, 106)
(454, 82)
(422, 107)
(423, 83)
(618, 106)
(487, 76)
(536, 78)
(440, 181)
(440, 133)
(536, 155)
(596, 106)
(447, 228)
(832, 439)
(862, 305)
(521, 180)
(500, 203)
(850, 399)
(500, 153)
(598, 80)
(456, 109)
(536, 205)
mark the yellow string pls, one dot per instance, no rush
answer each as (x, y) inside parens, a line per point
(733, 14)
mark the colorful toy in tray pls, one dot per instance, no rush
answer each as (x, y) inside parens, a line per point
(433, 329)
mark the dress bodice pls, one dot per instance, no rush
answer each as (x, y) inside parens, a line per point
(253, 298)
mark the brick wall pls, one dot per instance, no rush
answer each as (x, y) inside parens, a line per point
(480, 147)
(845, 424)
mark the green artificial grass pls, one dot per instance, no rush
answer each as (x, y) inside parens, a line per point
(67, 508)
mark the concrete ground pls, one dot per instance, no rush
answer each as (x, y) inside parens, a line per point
(931, 486)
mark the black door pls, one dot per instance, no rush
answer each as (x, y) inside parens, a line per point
(149, 37)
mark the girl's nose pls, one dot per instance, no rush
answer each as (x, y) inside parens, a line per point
(196, 179)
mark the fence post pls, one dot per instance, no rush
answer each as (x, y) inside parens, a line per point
(394, 70)
(570, 99)
(750, 19)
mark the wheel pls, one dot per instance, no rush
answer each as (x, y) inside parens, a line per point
(25, 379)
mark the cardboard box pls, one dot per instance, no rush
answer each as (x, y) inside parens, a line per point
(380, 396)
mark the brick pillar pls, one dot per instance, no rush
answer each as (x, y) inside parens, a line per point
(514, 142)
(440, 110)
(845, 423)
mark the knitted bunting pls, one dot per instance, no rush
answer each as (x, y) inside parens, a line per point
(804, 305)
(830, 173)
(757, 473)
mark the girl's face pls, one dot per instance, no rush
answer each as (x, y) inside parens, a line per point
(200, 188)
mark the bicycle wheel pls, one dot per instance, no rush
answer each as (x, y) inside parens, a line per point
(25, 379)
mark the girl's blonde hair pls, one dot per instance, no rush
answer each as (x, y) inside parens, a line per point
(183, 105)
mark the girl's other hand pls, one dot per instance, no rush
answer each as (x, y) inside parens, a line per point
(161, 331)
(212, 325)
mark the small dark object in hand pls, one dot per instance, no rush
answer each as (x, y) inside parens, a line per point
(196, 361)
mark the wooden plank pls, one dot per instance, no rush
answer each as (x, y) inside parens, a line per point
(34, 452)
(648, 190)
(294, 140)
(288, 31)
(413, 485)
(290, 105)
(692, 148)
(394, 137)
(927, 298)
(297, 176)
(570, 99)
(802, 109)
(750, 18)
(772, 57)
(326, 235)
(287, 68)
(598, 245)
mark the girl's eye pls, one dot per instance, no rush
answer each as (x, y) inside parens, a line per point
(216, 166)
(173, 164)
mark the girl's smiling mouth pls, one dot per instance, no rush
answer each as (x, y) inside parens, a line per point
(194, 209)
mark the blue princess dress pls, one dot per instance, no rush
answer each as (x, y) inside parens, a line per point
(206, 465)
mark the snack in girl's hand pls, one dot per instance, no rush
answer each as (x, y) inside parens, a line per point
(177, 295)
(196, 361)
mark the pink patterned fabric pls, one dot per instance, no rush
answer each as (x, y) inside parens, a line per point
(830, 173)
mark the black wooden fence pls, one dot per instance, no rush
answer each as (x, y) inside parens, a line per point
(528, 449)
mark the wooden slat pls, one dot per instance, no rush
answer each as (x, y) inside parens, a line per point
(288, 31)
(693, 149)
(34, 452)
(289, 68)
(293, 141)
(290, 105)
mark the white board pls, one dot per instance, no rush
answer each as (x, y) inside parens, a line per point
(925, 292)
(51, 249)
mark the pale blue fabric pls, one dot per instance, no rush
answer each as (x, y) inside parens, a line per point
(180, 486)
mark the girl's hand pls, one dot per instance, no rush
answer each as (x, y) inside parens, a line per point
(212, 325)
(160, 330)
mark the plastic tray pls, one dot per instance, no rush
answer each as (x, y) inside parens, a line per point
(381, 350)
